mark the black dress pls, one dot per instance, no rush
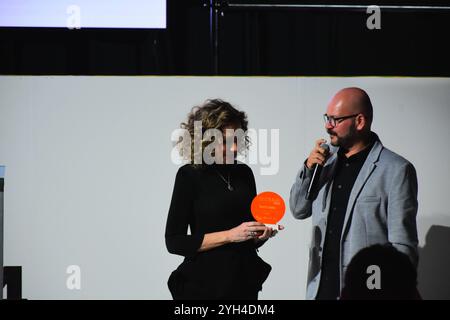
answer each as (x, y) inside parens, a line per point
(202, 201)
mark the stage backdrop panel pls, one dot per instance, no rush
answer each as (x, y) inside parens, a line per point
(90, 174)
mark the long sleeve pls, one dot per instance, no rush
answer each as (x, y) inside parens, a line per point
(252, 182)
(300, 207)
(402, 211)
(181, 216)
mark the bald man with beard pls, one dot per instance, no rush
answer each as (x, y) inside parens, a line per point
(366, 195)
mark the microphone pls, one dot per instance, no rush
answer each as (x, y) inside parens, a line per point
(313, 184)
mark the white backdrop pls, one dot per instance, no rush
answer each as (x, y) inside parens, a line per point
(89, 174)
(90, 14)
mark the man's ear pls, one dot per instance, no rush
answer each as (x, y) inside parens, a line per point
(361, 122)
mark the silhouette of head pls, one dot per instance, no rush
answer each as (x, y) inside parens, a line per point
(380, 272)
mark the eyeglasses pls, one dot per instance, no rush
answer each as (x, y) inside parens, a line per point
(334, 121)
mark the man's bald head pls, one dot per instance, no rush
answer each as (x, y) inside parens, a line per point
(352, 110)
(352, 101)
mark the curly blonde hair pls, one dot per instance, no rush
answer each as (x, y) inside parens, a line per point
(213, 114)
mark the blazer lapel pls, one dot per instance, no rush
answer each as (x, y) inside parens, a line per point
(364, 174)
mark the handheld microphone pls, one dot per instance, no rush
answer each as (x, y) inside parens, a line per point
(313, 184)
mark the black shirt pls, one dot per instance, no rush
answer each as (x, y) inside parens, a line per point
(202, 201)
(347, 171)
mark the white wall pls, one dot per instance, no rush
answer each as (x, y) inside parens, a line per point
(89, 176)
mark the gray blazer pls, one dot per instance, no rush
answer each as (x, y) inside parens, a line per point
(382, 209)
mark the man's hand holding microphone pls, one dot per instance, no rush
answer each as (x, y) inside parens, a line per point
(316, 160)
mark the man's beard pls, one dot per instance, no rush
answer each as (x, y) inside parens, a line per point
(343, 141)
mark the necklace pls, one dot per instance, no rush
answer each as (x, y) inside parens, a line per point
(228, 182)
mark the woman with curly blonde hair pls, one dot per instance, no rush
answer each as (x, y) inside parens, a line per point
(212, 197)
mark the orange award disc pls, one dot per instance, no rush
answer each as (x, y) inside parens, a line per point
(268, 207)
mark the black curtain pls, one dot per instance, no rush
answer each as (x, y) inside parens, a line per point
(251, 41)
